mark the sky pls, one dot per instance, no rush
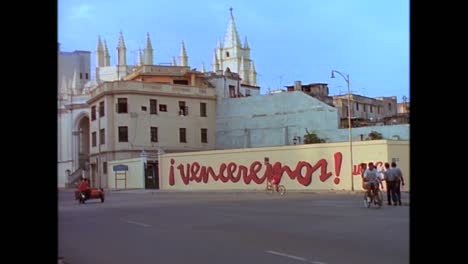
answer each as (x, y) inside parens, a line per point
(294, 40)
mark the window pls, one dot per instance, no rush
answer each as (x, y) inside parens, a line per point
(185, 82)
(102, 137)
(232, 91)
(93, 139)
(370, 108)
(153, 107)
(104, 167)
(364, 108)
(81, 75)
(389, 106)
(227, 54)
(183, 109)
(93, 113)
(143, 108)
(87, 77)
(154, 134)
(357, 106)
(202, 109)
(182, 135)
(378, 109)
(204, 135)
(122, 105)
(123, 134)
(101, 109)
(345, 111)
(163, 108)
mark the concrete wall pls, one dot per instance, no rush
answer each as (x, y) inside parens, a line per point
(311, 167)
(270, 120)
(388, 132)
(135, 174)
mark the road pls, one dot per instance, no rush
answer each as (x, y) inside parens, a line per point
(231, 227)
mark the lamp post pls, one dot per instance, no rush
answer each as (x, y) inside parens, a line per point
(346, 78)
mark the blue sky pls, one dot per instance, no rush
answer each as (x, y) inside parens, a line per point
(289, 40)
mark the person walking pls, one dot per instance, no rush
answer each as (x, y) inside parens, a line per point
(399, 181)
(390, 181)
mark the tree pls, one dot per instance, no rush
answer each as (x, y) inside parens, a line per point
(374, 135)
(312, 138)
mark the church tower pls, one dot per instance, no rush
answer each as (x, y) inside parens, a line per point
(234, 55)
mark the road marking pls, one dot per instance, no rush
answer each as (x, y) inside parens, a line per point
(135, 223)
(293, 257)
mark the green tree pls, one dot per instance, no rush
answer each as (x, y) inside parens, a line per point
(312, 138)
(374, 135)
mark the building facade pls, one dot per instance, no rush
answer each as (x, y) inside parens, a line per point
(156, 108)
(365, 110)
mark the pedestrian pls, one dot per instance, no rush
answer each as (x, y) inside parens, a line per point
(390, 182)
(399, 181)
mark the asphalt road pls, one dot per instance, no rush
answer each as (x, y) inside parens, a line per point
(234, 227)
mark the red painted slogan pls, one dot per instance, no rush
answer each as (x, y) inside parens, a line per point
(194, 172)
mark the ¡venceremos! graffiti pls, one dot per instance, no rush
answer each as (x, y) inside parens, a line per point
(232, 172)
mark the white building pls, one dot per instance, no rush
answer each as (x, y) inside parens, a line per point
(73, 114)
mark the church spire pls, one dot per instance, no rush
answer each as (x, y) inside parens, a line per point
(215, 64)
(106, 55)
(100, 56)
(174, 63)
(183, 59)
(246, 44)
(253, 74)
(232, 38)
(121, 51)
(148, 51)
(203, 68)
(140, 58)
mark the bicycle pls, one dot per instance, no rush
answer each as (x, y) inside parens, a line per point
(269, 188)
(374, 196)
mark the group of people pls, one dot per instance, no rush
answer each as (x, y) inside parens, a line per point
(372, 180)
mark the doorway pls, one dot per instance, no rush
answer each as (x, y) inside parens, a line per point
(152, 175)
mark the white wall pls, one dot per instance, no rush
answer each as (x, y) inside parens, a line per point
(135, 174)
(270, 120)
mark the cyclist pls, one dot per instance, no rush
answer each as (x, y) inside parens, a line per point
(372, 178)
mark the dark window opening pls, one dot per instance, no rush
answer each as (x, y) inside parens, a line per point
(153, 107)
(104, 167)
(123, 134)
(143, 108)
(154, 134)
(357, 106)
(184, 82)
(122, 105)
(93, 139)
(182, 135)
(183, 109)
(204, 135)
(203, 109)
(389, 106)
(102, 137)
(101, 109)
(81, 75)
(93, 113)
(163, 108)
(87, 77)
(227, 54)
(232, 91)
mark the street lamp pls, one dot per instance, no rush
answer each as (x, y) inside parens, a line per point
(349, 124)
